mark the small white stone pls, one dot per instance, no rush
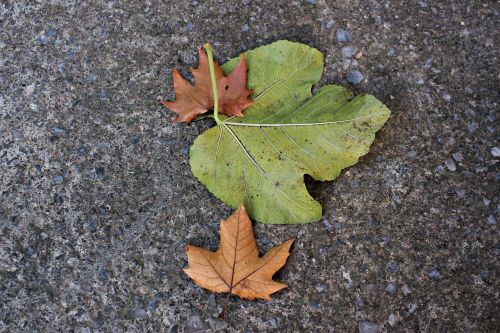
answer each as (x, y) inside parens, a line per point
(29, 89)
(458, 156)
(393, 319)
(495, 151)
(450, 164)
(406, 291)
(143, 289)
(320, 288)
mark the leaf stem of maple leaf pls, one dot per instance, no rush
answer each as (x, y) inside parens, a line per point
(221, 315)
(211, 66)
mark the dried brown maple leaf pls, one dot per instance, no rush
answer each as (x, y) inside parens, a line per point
(191, 101)
(235, 267)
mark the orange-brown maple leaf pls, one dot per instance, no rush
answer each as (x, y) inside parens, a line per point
(235, 267)
(191, 101)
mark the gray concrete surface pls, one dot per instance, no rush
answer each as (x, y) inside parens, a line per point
(98, 200)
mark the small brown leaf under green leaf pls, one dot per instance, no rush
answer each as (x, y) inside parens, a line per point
(192, 101)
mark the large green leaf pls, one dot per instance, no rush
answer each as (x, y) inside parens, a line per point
(261, 159)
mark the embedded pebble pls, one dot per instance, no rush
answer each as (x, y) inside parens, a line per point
(61, 68)
(29, 89)
(58, 179)
(342, 35)
(140, 313)
(368, 327)
(359, 302)
(434, 274)
(355, 77)
(245, 28)
(412, 153)
(328, 225)
(458, 156)
(43, 40)
(428, 64)
(16, 134)
(273, 322)
(320, 288)
(82, 150)
(194, 323)
(405, 290)
(495, 151)
(412, 308)
(314, 305)
(481, 169)
(153, 303)
(393, 319)
(58, 130)
(450, 164)
(491, 220)
(92, 225)
(472, 127)
(325, 250)
(392, 266)
(143, 290)
(348, 52)
(391, 52)
(211, 300)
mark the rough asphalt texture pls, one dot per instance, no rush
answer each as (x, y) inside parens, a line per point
(98, 200)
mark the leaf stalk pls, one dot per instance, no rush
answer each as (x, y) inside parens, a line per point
(211, 66)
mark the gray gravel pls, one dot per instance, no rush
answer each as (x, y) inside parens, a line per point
(343, 35)
(97, 201)
(354, 77)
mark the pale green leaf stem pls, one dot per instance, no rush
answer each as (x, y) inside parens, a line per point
(210, 55)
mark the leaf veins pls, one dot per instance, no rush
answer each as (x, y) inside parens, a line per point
(236, 267)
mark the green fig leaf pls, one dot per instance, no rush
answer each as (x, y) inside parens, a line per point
(261, 159)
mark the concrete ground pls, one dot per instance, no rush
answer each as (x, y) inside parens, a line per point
(97, 200)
